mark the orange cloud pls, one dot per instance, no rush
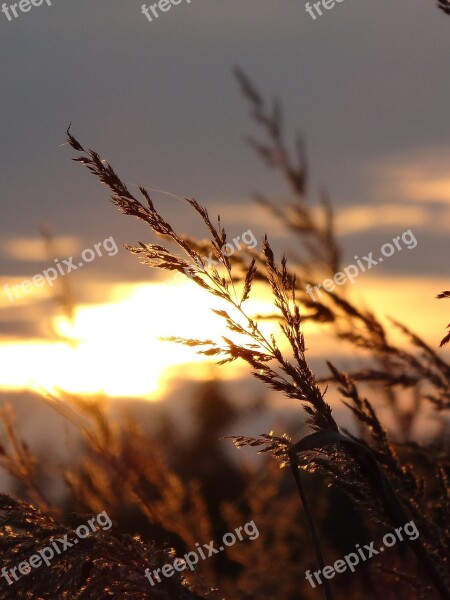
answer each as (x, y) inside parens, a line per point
(33, 249)
(422, 176)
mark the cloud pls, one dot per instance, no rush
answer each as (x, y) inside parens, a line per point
(416, 176)
(247, 216)
(348, 219)
(354, 219)
(33, 249)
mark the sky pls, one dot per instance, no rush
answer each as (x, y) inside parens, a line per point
(366, 84)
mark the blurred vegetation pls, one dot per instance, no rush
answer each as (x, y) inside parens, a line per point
(167, 490)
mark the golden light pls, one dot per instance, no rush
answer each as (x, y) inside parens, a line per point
(117, 349)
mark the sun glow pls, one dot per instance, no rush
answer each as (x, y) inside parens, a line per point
(117, 348)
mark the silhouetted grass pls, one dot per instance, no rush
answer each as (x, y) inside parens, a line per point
(369, 470)
(389, 477)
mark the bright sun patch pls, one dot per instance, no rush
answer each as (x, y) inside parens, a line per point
(118, 348)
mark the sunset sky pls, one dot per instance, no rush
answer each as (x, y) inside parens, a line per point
(159, 102)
